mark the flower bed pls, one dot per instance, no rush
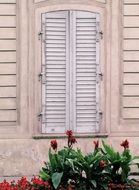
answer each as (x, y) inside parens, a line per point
(69, 169)
(35, 183)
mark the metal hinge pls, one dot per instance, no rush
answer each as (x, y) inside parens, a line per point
(99, 77)
(40, 76)
(99, 36)
(99, 32)
(40, 116)
(99, 116)
(100, 113)
(100, 74)
(40, 34)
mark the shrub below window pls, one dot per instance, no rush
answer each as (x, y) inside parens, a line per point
(70, 169)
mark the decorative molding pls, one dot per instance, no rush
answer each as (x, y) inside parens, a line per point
(101, 1)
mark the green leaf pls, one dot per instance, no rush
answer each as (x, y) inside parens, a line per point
(56, 179)
(43, 175)
(112, 155)
(135, 157)
(93, 183)
(71, 164)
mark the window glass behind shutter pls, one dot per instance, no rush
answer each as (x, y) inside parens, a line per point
(55, 63)
(85, 66)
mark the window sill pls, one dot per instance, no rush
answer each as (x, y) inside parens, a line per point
(62, 136)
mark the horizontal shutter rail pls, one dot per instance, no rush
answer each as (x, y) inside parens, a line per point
(56, 29)
(52, 62)
(86, 50)
(55, 50)
(56, 33)
(50, 66)
(55, 116)
(90, 82)
(91, 45)
(58, 99)
(86, 54)
(82, 32)
(88, 115)
(55, 41)
(53, 21)
(59, 70)
(55, 87)
(53, 54)
(89, 95)
(85, 75)
(55, 37)
(85, 103)
(88, 66)
(90, 70)
(53, 25)
(56, 82)
(48, 104)
(88, 29)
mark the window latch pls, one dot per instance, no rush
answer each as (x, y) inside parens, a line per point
(39, 35)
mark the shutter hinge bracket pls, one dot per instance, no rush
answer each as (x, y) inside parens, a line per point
(40, 116)
(40, 34)
(99, 32)
(99, 77)
(40, 76)
(100, 74)
(99, 36)
(100, 113)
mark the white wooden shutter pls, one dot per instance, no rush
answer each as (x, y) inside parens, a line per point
(55, 91)
(85, 69)
(70, 66)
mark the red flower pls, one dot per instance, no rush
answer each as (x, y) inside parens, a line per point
(72, 140)
(69, 133)
(96, 143)
(102, 163)
(23, 182)
(125, 144)
(54, 144)
(39, 182)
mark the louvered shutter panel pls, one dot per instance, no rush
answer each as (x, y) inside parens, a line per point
(70, 68)
(85, 69)
(55, 95)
